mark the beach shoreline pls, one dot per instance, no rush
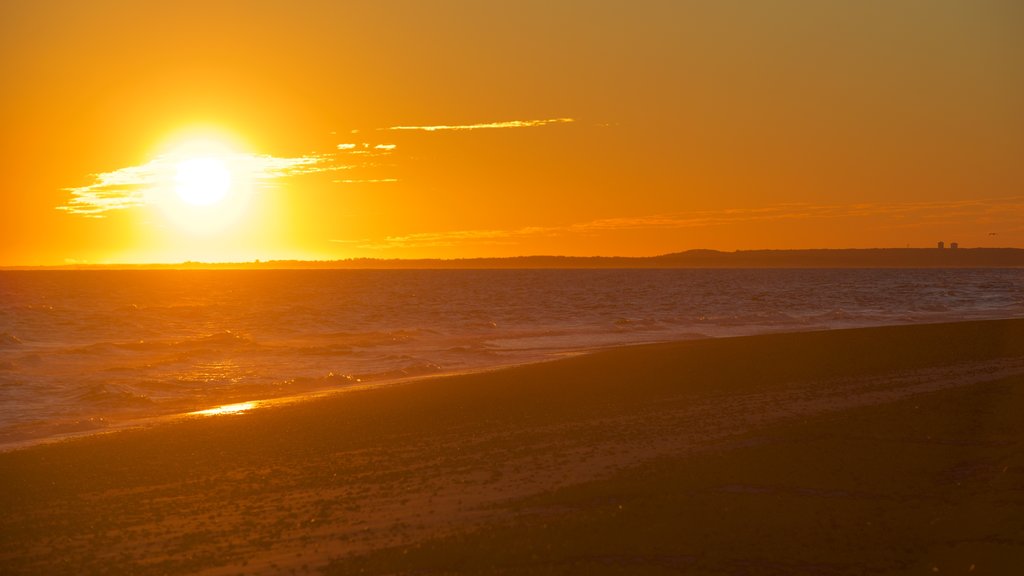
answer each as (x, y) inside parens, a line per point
(418, 475)
(83, 351)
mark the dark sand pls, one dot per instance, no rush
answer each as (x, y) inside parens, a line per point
(886, 450)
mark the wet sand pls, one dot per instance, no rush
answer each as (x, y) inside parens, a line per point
(885, 450)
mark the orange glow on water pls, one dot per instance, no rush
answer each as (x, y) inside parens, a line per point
(227, 409)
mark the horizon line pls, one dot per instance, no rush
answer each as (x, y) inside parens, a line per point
(311, 263)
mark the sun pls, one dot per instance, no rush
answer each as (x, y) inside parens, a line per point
(205, 184)
(202, 180)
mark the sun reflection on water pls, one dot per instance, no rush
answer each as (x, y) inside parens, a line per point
(227, 409)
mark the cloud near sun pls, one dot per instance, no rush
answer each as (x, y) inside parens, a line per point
(129, 187)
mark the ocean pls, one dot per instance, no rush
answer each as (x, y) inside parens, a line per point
(88, 351)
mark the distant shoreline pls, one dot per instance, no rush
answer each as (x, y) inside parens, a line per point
(818, 258)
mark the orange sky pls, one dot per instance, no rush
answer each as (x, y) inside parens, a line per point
(557, 127)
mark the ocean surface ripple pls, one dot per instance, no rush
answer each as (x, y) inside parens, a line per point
(83, 351)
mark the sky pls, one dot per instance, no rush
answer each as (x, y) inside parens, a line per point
(303, 129)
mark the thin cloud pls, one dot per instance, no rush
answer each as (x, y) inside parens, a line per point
(269, 167)
(364, 148)
(364, 180)
(129, 187)
(116, 190)
(453, 238)
(485, 126)
(899, 215)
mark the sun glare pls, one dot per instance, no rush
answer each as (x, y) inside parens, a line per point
(202, 181)
(206, 184)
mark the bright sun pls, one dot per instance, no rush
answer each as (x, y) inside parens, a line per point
(201, 181)
(205, 185)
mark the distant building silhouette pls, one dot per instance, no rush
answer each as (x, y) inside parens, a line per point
(941, 244)
(954, 245)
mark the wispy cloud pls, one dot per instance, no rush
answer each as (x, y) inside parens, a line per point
(269, 167)
(453, 238)
(1001, 211)
(129, 187)
(365, 149)
(485, 126)
(116, 190)
(364, 180)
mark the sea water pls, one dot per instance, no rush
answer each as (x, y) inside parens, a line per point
(85, 351)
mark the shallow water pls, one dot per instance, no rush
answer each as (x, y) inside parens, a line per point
(83, 351)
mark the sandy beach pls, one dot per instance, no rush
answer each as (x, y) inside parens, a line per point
(883, 450)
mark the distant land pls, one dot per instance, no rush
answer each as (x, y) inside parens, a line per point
(824, 258)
